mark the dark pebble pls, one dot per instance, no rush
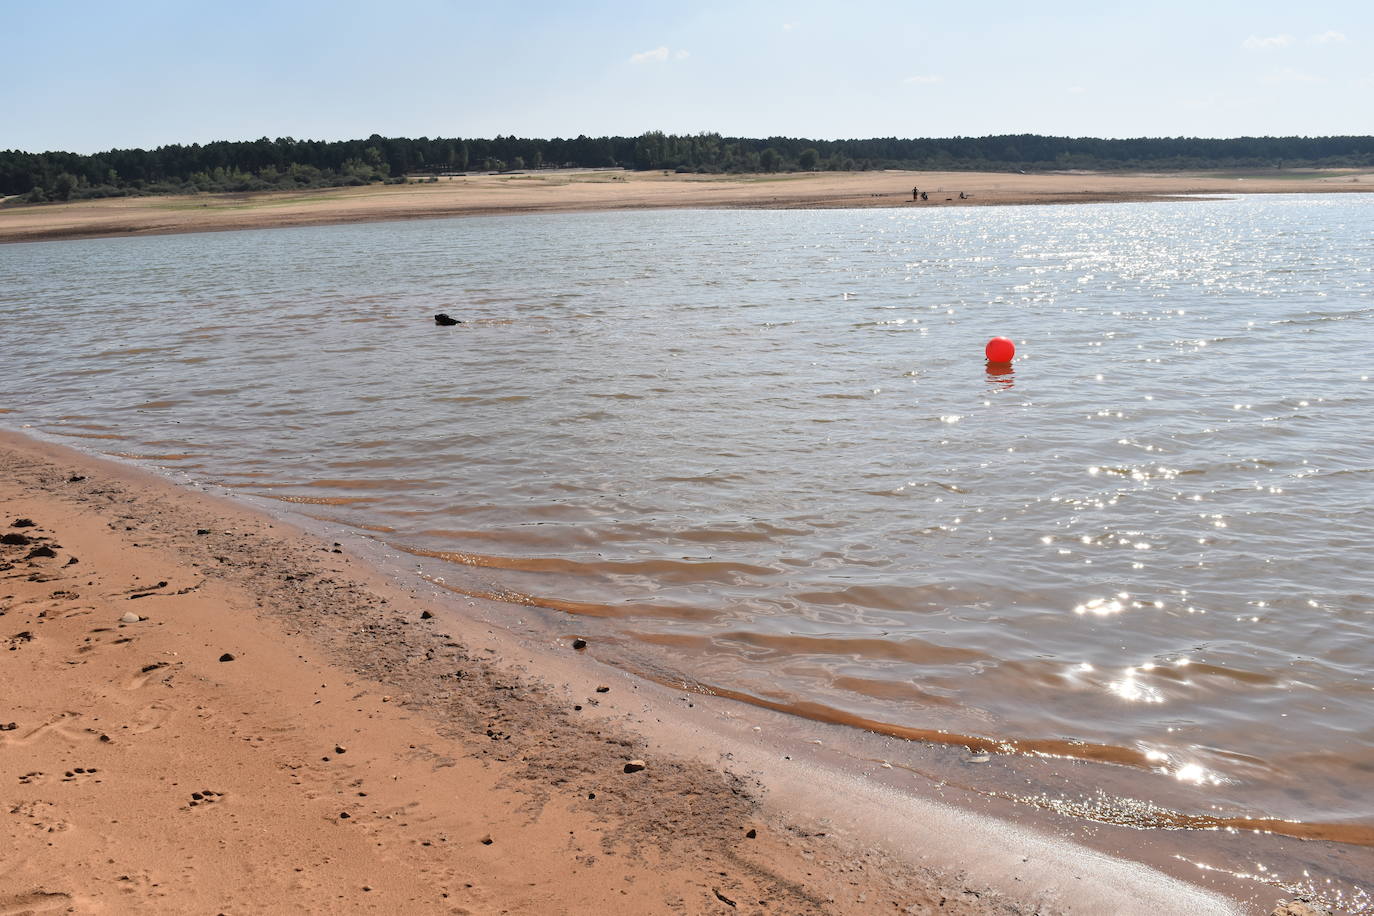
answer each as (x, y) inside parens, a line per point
(22, 523)
(76, 478)
(752, 833)
(43, 551)
(426, 615)
(603, 690)
(579, 644)
(340, 749)
(633, 767)
(344, 815)
(197, 796)
(16, 539)
(227, 657)
(487, 841)
(202, 531)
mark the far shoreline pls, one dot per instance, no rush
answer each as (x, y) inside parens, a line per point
(569, 191)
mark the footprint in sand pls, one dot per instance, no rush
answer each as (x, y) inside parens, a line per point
(152, 717)
(62, 726)
(41, 816)
(33, 902)
(205, 797)
(100, 640)
(140, 884)
(80, 774)
(156, 671)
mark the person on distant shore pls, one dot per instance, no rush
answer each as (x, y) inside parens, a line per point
(925, 196)
(915, 194)
(963, 196)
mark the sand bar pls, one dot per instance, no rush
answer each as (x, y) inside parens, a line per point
(207, 709)
(571, 191)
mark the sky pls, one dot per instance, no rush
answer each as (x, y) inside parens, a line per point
(90, 76)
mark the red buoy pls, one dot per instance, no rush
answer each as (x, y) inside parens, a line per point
(1000, 350)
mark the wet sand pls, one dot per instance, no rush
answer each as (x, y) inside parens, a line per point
(206, 708)
(567, 191)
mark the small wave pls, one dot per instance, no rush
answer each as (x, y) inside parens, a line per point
(582, 608)
(320, 500)
(692, 571)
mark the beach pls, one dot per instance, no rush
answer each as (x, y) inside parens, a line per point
(555, 191)
(255, 696)
(206, 708)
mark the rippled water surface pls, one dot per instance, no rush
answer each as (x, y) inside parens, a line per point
(763, 450)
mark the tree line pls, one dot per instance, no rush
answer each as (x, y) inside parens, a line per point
(287, 163)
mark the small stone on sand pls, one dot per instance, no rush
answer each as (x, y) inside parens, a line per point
(227, 657)
(130, 617)
(634, 766)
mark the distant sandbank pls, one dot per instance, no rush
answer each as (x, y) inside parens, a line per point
(565, 191)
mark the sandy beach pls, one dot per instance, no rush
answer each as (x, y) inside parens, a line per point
(567, 191)
(207, 709)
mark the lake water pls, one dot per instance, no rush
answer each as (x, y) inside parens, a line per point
(762, 452)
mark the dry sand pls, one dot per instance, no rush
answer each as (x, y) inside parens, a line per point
(560, 191)
(206, 709)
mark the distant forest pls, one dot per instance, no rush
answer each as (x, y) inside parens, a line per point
(289, 164)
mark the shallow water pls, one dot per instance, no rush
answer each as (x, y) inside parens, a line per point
(762, 452)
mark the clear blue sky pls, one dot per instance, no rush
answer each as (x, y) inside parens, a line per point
(88, 76)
